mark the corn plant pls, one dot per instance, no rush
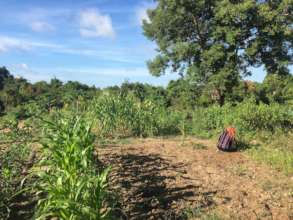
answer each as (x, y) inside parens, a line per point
(73, 196)
(69, 183)
(113, 116)
(122, 116)
(11, 167)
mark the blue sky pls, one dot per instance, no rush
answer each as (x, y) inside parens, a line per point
(97, 42)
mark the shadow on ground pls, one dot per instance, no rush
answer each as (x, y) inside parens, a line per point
(147, 189)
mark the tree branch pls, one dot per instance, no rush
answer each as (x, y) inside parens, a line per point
(201, 38)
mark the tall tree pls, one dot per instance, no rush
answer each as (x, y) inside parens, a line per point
(214, 42)
(4, 74)
(271, 43)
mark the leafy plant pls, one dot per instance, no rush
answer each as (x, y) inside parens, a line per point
(122, 116)
(68, 181)
(11, 166)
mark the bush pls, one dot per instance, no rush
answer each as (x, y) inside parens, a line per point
(247, 117)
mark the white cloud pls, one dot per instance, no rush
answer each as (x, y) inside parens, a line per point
(107, 72)
(95, 24)
(23, 66)
(100, 77)
(7, 43)
(138, 54)
(12, 43)
(108, 54)
(44, 19)
(141, 12)
(40, 26)
(19, 69)
(22, 70)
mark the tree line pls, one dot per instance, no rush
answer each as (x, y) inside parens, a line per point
(16, 93)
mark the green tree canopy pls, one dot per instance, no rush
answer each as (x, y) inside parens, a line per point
(215, 42)
(4, 74)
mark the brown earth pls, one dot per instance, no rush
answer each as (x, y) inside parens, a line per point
(163, 179)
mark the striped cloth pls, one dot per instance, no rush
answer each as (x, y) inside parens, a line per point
(226, 140)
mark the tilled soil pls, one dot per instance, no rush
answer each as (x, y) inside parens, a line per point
(163, 179)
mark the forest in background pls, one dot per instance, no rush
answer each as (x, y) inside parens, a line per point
(17, 93)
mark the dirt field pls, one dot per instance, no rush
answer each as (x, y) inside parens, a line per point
(163, 179)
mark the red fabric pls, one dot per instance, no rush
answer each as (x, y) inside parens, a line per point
(231, 131)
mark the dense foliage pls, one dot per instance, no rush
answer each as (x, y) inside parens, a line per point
(12, 162)
(119, 116)
(38, 97)
(215, 43)
(22, 99)
(73, 188)
(136, 109)
(247, 117)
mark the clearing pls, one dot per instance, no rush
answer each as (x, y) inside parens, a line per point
(157, 178)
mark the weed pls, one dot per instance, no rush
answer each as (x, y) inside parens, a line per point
(267, 185)
(198, 212)
(280, 159)
(211, 216)
(125, 141)
(199, 146)
(192, 212)
(239, 170)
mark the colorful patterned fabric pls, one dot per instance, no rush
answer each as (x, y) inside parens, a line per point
(227, 139)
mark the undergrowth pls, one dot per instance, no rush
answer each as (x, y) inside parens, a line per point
(278, 159)
(200, 213)
(11, 166)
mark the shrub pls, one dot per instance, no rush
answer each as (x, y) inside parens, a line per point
(247, 117)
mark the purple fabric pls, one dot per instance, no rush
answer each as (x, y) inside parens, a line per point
(225, 141)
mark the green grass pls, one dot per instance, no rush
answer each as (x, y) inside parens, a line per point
(198, 212)
(211, 216)
(192, 212)
(278, 158)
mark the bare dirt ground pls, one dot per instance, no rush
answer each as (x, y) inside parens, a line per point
(163, 179)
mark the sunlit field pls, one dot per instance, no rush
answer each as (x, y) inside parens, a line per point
(103, 140)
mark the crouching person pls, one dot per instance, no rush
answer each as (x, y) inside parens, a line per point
(226, 140)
